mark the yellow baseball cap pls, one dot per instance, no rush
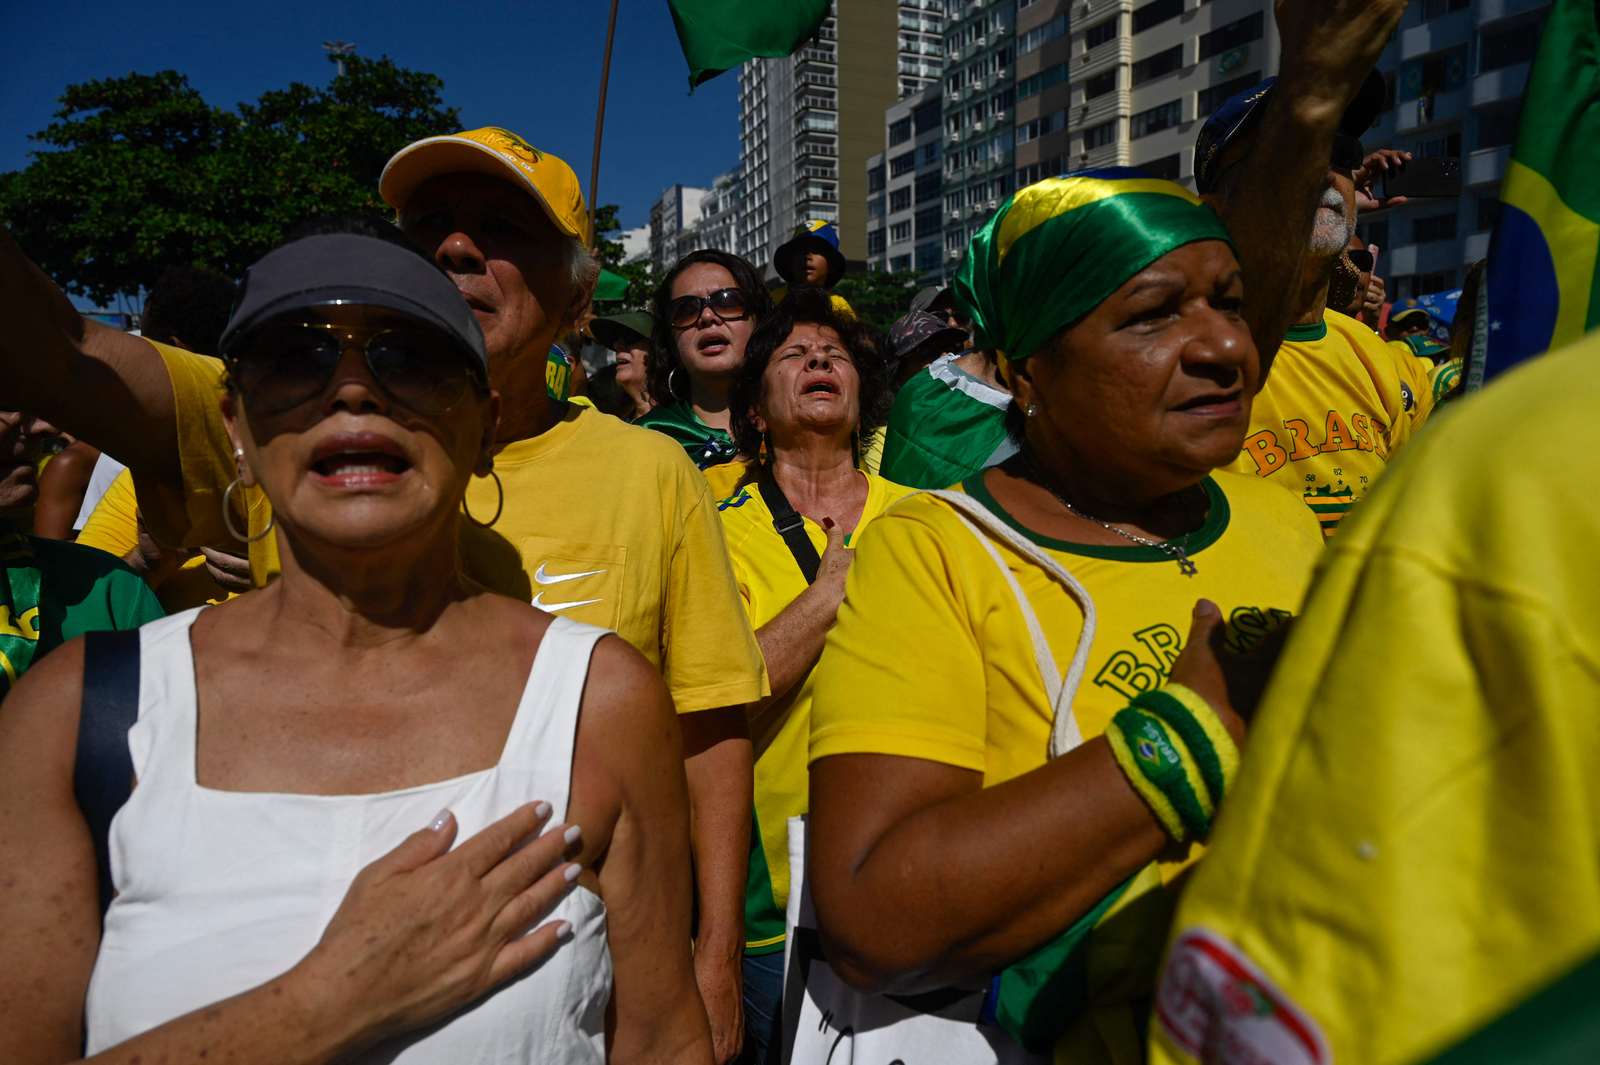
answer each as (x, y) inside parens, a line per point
(499, 153)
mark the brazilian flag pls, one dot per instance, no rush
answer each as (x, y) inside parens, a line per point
(1542, 288)
(718, 35)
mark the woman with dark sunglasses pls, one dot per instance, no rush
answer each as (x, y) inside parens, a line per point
(705, 310)
(380, 813)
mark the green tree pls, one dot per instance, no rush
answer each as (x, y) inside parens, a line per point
(879, 297)
(641, 284)
(139, 173)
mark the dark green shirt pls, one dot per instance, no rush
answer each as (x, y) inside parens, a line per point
(705, 445)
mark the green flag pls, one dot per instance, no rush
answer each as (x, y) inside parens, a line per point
(610, 286)
(718, 35)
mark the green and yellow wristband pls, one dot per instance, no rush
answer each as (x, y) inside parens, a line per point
(1178, 757)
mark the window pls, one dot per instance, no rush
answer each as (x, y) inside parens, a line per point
(1445, 147)
(1041, 81)
(1231, 36)
(899, 132)
(875, 178)
(900, 232)
(926, 117)
(1435, 73)
(1497, 125)
(955, 240)
(1212, 98)
(952, 125)
(954, 201)
(1488, 212)
(1037, 36)
(1000, 188)
(1160, 63)
(1046, 168)
(978, 111)
(902, 164)
(928, 256)
(875, 241)
(900, 263)
(1426, 284)
(1155, 13)
(1165, 167)
(928, 187)
(1096, 136)
(875, 207)
(927, 222)
(1001, 17)
(1100, 33)
(929, 154)
(1156, 119)
(1027, 131)
(900, 200)
(1002, 101)
(954, 82)
(1437, 227)
(1505, 47)
(1100, 84)
(1432, 9)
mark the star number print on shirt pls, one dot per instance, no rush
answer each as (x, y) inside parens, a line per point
(542, 577)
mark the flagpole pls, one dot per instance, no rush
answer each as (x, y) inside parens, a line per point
(600, 121)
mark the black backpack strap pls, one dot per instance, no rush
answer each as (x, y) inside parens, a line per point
(102, 776)
(792, 527)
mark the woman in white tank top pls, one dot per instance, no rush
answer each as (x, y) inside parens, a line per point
(380, 814)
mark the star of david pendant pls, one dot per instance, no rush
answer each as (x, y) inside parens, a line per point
(1186, 566)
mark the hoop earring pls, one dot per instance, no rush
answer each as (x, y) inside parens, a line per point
(500, 503)
(227, 508)
(672, 388)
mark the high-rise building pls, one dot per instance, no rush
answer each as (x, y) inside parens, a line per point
(1456, 71)
(905, 188)
(809, 121)
(675, 214)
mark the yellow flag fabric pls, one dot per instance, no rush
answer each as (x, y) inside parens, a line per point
(1413, 845)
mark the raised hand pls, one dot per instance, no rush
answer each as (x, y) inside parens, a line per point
(1373, 167)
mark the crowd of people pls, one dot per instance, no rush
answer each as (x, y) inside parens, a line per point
(440, 702)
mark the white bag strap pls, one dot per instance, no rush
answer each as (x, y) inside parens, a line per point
(1064, 734)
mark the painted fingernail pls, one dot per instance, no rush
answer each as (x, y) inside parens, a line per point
(440, 820)
(571, 872)
(542, 809)
(571, 834)
(564, 931)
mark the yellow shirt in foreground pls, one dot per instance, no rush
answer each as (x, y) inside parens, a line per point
(603, 522)
(113, 526)
(1410, 848)
(1333, 410)
(957, 682)
(769, 580)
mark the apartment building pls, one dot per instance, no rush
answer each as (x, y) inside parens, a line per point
(674, 215)
(809, 122)
(1456, 70)
(905, 188)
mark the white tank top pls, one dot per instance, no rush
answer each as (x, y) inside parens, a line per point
(220, 891)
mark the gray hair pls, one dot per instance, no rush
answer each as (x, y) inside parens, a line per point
(582, 266)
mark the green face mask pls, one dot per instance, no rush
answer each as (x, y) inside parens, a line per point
(19, 606)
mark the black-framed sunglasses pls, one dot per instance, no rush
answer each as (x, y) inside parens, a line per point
(283, 366)
(1362, 258)
(726, 303)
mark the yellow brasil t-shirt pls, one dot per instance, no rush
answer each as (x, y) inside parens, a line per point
(958, 683)
(602, 522)
(1410, 847)
(113, 526)
(769, 580)
(1331, 413)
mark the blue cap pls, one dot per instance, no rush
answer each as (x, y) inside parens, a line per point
(1234, 114)
(815, 235)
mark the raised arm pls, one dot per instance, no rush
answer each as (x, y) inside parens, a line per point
(103, 386)
(629, 764)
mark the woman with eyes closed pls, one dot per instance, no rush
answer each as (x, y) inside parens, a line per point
(970, 804)
(705, 310)
(379, 813)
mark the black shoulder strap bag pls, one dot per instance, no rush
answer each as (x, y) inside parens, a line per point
(792, 527)
(102, 775)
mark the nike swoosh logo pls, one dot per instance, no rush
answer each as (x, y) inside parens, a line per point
(538, 601)
(556, 578)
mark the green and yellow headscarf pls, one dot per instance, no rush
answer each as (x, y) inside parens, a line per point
(1060, 246)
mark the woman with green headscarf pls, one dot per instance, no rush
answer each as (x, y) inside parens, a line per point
(977, 817)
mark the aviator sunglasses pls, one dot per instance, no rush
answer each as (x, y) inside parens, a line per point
(285, 365)
(725, 303)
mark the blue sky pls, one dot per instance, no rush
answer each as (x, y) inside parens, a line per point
(533, 67)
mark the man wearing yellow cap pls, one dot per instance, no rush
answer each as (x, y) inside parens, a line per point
(508, 224)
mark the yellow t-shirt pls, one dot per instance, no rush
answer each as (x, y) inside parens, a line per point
(958, 682)
(113, 526)
(1332, 412)
(1410, 847)
(603, 522)
(769, 580)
